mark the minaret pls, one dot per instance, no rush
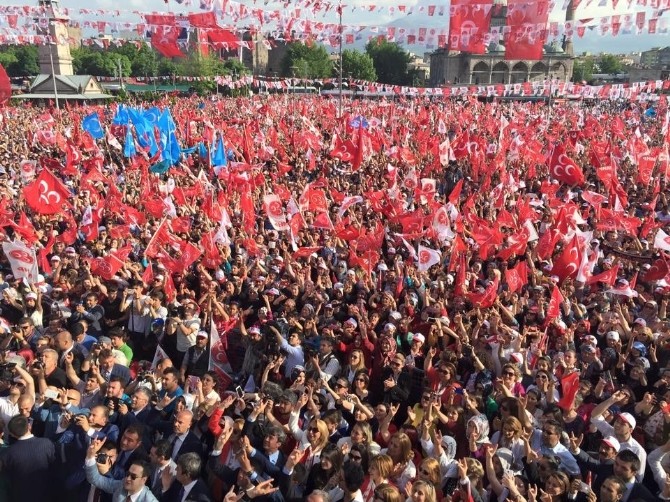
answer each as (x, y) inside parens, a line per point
(55, 57)
(569, 16)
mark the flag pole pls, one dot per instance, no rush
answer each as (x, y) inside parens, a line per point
(339, 10)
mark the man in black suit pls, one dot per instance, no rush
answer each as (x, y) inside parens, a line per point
(29, 463)
(130, 449)
(139, 412)
(182, 439)
(188, 485)
(109, 368)
(64, 344)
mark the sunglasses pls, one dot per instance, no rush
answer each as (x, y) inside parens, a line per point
(542, 377)
(132, 475)
(364, 381)
(509, 374)
(425, 472)
(314, 430)
(549, 433)
(355, 458)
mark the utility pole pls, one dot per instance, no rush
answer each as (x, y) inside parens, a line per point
(339, 11)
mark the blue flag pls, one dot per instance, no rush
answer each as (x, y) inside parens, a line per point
(160, 168)
(91, 124)
(219, 154)
(129, 149)
(121, 117)
(202, 150)
(359, 121)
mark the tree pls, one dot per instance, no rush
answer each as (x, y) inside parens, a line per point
(609, 63)
(20, 61)
(306, 61)
(143, 59)
(358, 65)
(90, 61)
(582, 70)
(199, 65)
(234, 67)
(390, 62)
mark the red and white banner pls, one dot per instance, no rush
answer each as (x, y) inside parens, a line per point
(275, 212)
(22, 259)
(47, 194)
(469, 22)
(527, 24)
(218, 358)
(662, 240)
(427, 258)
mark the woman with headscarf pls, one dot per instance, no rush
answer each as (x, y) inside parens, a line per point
(477, 432)
(382, 356)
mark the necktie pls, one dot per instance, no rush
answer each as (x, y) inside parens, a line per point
(174, 443)
(181, 494)
(157, 486)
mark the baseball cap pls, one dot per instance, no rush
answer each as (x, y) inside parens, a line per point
(351, 321)
(105, 339)
(202, 334)
(612, 442)
(613, 335)
(639, 346)
(419, 337)
(628, 418)
(641, 321)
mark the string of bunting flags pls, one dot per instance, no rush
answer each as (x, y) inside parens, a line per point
(636, 91)
(475, 14)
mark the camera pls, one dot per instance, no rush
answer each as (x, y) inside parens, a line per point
(467, 350)
(114, 401)
(102, 458)
(7, 371)
(38, 365)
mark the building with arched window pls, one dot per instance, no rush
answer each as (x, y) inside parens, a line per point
(454, 67)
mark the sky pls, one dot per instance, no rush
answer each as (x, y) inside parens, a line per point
(591, 42)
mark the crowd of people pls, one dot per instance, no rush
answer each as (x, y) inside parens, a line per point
(424, 312)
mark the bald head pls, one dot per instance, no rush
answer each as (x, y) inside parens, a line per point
(182, 422)
(63, 341)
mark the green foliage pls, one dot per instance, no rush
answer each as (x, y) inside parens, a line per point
(358, 65)
(305, 61)
(202, 66)
(235, 67)
(20, 60)
(582, 70)
(609, 63)
(167, 67)
(390, 61)
(89, 61)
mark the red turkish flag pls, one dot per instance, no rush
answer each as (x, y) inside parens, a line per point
(517, 276)
(5, 86)
(469, 22)
(569, 389)
(567, 264)
(164, 40)
(487, 298)
(305, 252)
(659, 269)
(526, 21)
(554, 308)
(564, 169)
(606, 277)
(47, 195)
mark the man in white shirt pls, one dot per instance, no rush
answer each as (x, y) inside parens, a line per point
(624, 424)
